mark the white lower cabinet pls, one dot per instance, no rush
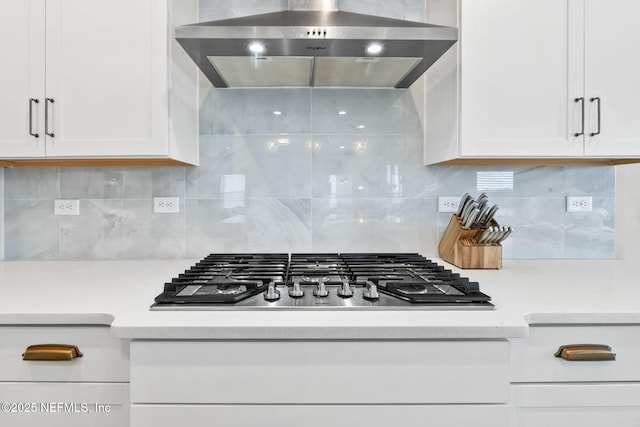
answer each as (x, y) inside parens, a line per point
(36, 404)
(590, 404)
(319, 415)
(92, 390)
(550, 391)
(319, 383)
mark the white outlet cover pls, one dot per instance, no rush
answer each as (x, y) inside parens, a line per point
(448, 203)
(579, 204)
(66, 207)
(166, 204)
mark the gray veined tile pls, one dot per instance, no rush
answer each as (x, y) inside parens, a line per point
(257, 225)
(253, 111)
(31, 230)
(116, 229)
(367, 225)
(364, 112)
(31, 183)
(268, 165)
(371, 166)
(591, 234)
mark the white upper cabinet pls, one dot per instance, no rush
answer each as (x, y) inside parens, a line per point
(100, 74)
(515, 86)
(22, 77)
(612, 73)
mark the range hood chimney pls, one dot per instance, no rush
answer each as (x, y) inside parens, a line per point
(313, 44)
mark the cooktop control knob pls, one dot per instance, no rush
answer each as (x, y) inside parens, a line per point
(296, 291)
(321, 290)
(370, 292)
(345, 290)
(272, 294)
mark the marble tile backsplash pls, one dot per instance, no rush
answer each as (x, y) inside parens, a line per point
(334, 170)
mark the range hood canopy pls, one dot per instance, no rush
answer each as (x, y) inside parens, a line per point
(314, 44)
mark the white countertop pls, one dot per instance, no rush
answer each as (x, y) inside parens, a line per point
(119, 293)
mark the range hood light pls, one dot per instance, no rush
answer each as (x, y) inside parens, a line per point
(374, 48)
(277, 113)
(256, 47)
(342, 112)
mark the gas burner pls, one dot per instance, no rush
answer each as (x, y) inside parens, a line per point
(368, 281)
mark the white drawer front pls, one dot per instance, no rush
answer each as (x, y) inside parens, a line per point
(104, 358)
(560, 405)
(533, 357)
(319, 416)
(64, 404)
(320, 372)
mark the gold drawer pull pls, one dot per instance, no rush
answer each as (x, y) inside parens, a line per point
(51, 352)
(586, 352)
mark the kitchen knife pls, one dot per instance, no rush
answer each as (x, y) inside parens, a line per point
(505, 235)
(471, 218)
(483, 213)
(489, 217)
(486, 235)
(467, 210)
(463, 203)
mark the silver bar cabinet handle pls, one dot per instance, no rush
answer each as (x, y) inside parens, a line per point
(31, 102)
(581, 99)
(46, 116)
(597, 98)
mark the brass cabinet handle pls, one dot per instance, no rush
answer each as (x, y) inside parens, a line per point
(51, 352)
(585, 352)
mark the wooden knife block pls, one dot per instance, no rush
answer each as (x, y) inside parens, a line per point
(460, 247)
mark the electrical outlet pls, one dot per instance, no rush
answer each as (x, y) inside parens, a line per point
(579, 204)
(66, 207)
(166, 204)
(448, 204)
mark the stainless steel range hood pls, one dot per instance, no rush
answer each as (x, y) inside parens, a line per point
(314, 44)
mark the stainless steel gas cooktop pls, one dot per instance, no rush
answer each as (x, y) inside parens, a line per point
(353, 281)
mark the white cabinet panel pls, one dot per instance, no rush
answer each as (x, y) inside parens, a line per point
(22, 48)
(107, 72)
(517, 71)
(559, 405)
(319, 415)
(64, 404)
(550, 391)
(320, 372)
(533, 360)
(102, 75)
(612, 43)
(105, 358)
(521, 74)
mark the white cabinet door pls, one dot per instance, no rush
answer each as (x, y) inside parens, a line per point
(107, 77)
(612, 67)
(21, 76)
(521, 69)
